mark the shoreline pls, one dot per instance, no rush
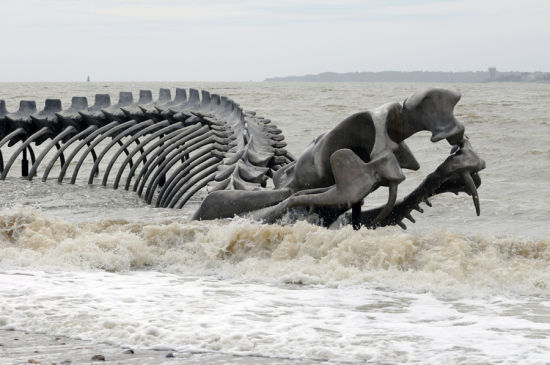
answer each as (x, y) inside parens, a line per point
(19, 347)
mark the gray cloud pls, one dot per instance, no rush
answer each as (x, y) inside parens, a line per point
(243, 40)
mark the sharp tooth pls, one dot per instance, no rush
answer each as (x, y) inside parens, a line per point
(476, 178)
(417, 208)
(469, 182)
(389, 205)
(427, 202)
(402, 225)
(410, 217)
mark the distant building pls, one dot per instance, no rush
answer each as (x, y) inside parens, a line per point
(492, 73)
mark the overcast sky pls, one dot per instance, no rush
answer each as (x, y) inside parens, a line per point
(241, 40)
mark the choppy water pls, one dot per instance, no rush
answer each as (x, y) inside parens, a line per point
(95, 263)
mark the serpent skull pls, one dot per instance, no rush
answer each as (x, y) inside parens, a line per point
(367, 150)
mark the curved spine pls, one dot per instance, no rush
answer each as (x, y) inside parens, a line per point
(180, 154)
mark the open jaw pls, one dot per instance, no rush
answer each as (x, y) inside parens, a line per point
(458, 173)
(468, 165)
(444, 125)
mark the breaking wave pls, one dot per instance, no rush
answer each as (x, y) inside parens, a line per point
(300, 253)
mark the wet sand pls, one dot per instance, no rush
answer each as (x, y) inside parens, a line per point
(21, 347)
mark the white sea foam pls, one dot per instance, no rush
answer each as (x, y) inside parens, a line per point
(151, 309)
(299, 253)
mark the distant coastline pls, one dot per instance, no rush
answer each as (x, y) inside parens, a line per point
(491, 75)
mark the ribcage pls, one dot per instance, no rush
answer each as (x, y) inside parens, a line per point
(166, 150)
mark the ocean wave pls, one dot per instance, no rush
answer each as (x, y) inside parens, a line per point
(300, 253)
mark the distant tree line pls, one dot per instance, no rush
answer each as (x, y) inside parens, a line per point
(417, 76)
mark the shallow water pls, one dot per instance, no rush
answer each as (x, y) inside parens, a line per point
(99, 264)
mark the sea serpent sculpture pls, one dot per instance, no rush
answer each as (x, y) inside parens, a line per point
(201, 142)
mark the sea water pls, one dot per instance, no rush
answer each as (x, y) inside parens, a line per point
(98, 264)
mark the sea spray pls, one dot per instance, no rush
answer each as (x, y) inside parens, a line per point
(299, 253)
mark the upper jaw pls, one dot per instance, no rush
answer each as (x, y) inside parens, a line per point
(453, 132)
(433, 110)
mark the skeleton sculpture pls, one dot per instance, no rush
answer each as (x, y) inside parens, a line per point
(365, 151)
(188, 143)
